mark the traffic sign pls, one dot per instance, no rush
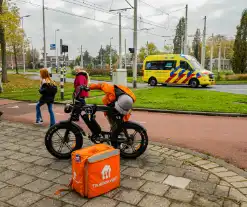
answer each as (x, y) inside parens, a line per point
(52, 46)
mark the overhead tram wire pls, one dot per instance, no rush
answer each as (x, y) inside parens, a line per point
(79, 3)
(84, 17)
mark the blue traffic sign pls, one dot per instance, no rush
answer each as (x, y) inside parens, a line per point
(52, 46)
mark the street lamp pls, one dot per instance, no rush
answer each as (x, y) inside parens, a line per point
(110, 57)
(56, 49)
(23, 50)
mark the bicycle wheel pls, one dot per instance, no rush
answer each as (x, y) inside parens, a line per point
(62, 139)
(128, 143)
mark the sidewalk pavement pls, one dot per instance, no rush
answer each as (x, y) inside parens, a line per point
(162, 177)
(222, 137)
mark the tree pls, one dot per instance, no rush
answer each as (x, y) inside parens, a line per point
(168, 49)
(9, 21)
(149, 49)
(32, 57)
(196, 45)
(239, 59)
(179, 37)
(100, 57)
(86, 58)
(15, 41)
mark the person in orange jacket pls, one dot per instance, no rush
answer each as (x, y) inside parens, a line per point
(117, 96)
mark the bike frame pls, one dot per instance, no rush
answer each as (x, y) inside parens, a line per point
(89, 118)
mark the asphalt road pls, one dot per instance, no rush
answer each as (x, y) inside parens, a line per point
(235, 89)
(56, 78)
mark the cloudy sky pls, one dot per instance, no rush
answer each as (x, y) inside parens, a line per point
(68, 16)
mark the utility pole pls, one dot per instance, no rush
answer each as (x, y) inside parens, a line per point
(101, 57)
(120, 35)
(110, 58)
(135, 46)
(23, 43)
(211, 53)
(219, 59)
(203, 43)
(23, 47)
(56, 49)
(147, 49)
(81, 57)
(186, 31)
(45, 64)
(120, 42)
(224, 58)
(125, 56)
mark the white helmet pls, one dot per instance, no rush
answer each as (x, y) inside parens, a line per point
(124, 104)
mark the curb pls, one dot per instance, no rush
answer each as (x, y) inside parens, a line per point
(192, 112)
(168, 111)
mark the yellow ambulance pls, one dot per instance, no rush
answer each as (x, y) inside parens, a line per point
(176, 69)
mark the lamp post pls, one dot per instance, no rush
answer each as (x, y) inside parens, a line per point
(23, 49)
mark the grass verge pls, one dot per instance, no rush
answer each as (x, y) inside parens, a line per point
(20, 87)
(186, 99)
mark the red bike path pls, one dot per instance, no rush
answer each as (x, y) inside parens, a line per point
(222, 137)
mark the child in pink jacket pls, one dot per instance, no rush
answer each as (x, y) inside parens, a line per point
(82, 78)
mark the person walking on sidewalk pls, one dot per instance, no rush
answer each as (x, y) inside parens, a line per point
(48, 90)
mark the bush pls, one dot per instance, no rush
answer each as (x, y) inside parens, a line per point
(236, 77)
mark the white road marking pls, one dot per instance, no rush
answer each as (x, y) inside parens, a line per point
(13, 107)
(59, 114)
(32, 104)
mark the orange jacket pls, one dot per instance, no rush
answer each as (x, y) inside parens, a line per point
(110, 95)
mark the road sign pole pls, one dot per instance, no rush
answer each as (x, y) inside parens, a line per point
(62, 83)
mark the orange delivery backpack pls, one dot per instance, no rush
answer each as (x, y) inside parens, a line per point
(95, 170)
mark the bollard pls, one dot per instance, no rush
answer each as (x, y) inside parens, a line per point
(62, 84)
(64, 73)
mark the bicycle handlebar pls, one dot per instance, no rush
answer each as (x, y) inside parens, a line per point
(82, 88)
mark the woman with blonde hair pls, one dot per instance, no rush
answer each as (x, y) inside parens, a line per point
(48, 90)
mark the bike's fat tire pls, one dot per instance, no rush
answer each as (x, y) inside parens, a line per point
(56, 127)
(144, 139)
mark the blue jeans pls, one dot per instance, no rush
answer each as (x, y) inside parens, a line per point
(39, 116)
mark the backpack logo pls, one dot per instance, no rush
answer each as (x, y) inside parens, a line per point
(106, 172)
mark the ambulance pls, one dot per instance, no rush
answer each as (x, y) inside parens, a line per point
(176, 69)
